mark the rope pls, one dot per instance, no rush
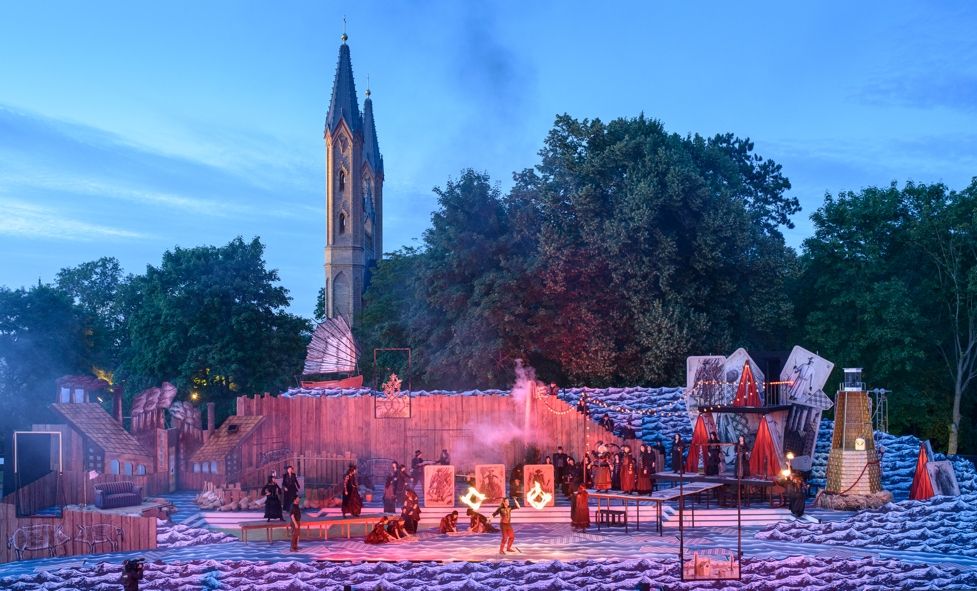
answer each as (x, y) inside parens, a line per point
(857, 480)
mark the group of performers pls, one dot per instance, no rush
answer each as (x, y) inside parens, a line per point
(279, 497)
(624, 471)
(389, 529)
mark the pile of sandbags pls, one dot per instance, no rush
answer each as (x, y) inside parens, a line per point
(213, 500)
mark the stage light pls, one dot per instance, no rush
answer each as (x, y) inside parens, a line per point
(790, 456)
(537, 497)
(785, 472)
(473, 498)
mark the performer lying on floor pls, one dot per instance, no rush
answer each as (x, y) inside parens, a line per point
(479, 523)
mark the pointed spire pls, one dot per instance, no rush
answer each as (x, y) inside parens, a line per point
(344, 105)
(371, 147)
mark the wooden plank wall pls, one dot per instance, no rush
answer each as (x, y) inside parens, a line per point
(139, 532)
(473, 428)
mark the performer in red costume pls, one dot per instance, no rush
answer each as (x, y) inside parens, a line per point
(505, 522)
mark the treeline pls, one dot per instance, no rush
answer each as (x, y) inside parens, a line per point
(211, 320)
(623, 251)
(627, 248)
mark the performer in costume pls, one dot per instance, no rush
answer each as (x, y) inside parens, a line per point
(579, 509)
(602, 469)
(400, 490)
(479, 523)
(742, 458)
(273, 504)
(795, 495)
(352, 503)
(713, 453)
(390, 489)
(627, 472)
(568, 483)
(295, 519)
(395, 529)
(449, 523)
(417, 468)
(645, 469)
(559, 464)
(615, 472)
(678, 447)
(290, 483)
(505, 522)
(445, 459)
(379, 533)
(412, 512)
(587, 470)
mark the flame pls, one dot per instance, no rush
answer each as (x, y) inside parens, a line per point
(473, 498)
(537, 497)
(103, 374)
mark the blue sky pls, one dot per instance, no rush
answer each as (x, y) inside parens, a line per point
(127, 128)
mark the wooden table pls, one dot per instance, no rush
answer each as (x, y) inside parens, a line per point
(657, 497)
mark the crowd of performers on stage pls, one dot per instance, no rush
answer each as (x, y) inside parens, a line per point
(605, 468)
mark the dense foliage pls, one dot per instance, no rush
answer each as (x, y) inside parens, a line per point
(889, 283)
(211, 320)
(625, 250)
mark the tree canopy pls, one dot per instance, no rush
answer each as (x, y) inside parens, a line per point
(623, 251)
(889, 282)
(212, 320)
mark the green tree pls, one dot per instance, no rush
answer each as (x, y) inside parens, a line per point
(945, 230)
(212, 320)
(886, 285)
(43, 336)
(96, 288)
(623, 251)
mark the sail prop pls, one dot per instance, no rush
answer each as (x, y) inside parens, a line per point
(333, 349)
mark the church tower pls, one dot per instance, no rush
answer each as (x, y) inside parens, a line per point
(354, 195)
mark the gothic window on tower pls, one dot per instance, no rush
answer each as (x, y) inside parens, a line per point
(342, 223)
(342, 181)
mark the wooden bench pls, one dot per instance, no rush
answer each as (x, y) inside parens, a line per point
(100, 533)
(612, 517)
(36, 538)
(322, 525)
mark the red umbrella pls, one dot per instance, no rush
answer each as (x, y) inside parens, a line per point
(699, 438)
(922, 488)
(764, 460)
(747, 393)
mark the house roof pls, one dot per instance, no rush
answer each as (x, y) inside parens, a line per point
(90, 383)
(224, 440)
(93, 422)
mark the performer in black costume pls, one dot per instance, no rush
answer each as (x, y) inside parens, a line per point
(290, 484)
(678, 447)
(273, 504)
(713, 453)
(742, 459)
(390, 489)
(352, 503)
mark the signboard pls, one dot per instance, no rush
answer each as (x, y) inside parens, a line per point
(439, 486)
(490, 481)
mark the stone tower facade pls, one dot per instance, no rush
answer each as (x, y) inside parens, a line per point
(354, 195)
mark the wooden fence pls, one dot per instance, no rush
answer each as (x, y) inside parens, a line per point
(475, 429)
(139, 533)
